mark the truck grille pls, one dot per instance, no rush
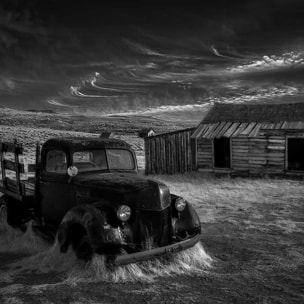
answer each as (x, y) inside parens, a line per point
(154, 228)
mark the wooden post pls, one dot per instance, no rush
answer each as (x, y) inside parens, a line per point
(169, 155)
(163, 162)
(154, 157)
(177, 161)
(147, 155)
(16, 156)
(37, 169)
(2, 165)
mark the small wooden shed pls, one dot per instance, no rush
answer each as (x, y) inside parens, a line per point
(170, 153)
(147, 132)
(251, 139)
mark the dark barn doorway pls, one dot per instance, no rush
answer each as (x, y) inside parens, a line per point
(222, 152)
(295, 154)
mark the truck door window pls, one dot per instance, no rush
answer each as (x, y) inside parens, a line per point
(56, 162)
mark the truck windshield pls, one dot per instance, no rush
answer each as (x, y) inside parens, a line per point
(112, 159)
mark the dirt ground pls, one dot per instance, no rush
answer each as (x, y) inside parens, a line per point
(252, 229)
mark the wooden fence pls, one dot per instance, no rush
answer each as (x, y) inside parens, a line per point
(11, 170)
(170, 153)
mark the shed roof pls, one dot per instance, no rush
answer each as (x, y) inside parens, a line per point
(230, 120)
(272, 113)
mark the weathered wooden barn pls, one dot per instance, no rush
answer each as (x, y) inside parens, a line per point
(170, 153)
(247, 139)
(252, 139)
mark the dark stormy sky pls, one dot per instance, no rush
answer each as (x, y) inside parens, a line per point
(48, 47)
(50, 29)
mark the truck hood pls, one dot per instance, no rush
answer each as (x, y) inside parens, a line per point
(123, 188)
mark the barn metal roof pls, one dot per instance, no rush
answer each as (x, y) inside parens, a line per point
(233, 129)
(234, 120)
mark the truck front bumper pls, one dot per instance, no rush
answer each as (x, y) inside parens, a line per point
(156, 252)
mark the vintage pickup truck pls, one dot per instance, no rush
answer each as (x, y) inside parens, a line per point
(87, 193)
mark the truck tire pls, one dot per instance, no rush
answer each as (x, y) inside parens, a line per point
(74, 233)
(8, 209)
(82, 247)
(78, 229)
(83, 227)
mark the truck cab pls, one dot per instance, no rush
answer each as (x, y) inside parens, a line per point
(62, 160)
(88, 194)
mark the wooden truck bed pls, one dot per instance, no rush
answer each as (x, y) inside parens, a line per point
(11, 188)
(11, 181)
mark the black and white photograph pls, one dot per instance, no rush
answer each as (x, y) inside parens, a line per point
(151, 152)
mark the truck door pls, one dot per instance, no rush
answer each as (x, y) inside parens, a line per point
(55, 189)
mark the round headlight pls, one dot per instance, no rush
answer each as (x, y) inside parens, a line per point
(123, 213)
(180, 204)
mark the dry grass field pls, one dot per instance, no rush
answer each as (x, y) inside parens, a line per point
(252, 247)
(252, 229)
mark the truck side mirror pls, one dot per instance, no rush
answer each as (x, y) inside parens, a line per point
(72, 171)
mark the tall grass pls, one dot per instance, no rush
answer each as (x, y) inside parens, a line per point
(15, 240)
(44, 258)
(252, 228)
(193, 260)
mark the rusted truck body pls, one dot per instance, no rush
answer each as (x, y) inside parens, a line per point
(87, 193)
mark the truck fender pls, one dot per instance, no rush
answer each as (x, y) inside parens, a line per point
(187, 222)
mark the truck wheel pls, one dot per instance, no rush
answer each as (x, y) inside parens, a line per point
(83, 249)
(6, 215)
(81, 245)
(81, 228)
(3, 211)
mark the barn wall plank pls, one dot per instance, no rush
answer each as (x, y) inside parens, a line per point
(204, 153)
(170, 153)
(239, 153)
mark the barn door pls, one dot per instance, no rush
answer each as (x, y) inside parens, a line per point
(295, 154)
(222, 153)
